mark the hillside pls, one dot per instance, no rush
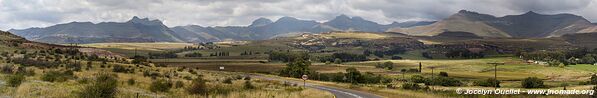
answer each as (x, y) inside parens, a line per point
(527, 25)
(145, 30)
(134, 30)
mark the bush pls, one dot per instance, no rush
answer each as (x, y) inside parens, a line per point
(247, 78)
(411, 86)
(594, 89)
(386, 65)
(56, 76)
(248, 85)
(105, 86)
(83, 80)
(443, 81)
(131, 81)
(228, 81)
(490, 82)
(532, 82)
(418, 79)
(179, 84)
(444, 74)
(594, 79)
(194, 54)
(160, 86)
(15, 80)
(337, 61)
(198, 86)
(121, 69)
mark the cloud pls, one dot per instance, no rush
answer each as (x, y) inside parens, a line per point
(21, 14)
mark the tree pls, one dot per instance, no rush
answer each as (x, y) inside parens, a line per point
(532, 82)
(296, 69)
(353, 75)
(338, 61)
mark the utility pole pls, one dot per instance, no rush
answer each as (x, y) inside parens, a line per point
(432, 77)
(420, 67)
(495, 72)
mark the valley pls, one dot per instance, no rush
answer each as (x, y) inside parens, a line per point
(446, 53)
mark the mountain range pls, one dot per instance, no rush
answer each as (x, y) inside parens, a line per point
(146, 30)
(527, 25)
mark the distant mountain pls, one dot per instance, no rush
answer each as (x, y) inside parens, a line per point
(528, 25)
(346, 23)
(134, 30)
(408, 24)
(261, 22)
(146, 30)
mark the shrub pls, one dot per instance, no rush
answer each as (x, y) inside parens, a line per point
(489, 82)
(194, 54)
(594, 79)
(56, 76)
(131, 81)
(83, 80)
(444, 74)
(443, 81)
(228, 81)
(198, 86)
(104, 86)
(594, 89)
(418, 79)
(178, 84)
(411, 86)
(337, 61)
(15, 80)
(248, 85)
(532, 82)
(386, 65)
(247, 78)
(160, 86)
(120, 68)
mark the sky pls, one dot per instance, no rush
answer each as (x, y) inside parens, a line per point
(20, 14)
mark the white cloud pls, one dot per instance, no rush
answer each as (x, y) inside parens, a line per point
(21, 14)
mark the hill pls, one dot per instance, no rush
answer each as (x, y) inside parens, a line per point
(145, 30)
(134, 30)
(527, 25)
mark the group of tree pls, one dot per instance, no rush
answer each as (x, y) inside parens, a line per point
(566, 57)
(381, 53)
(249, 53)
(463, 53)
(342, 57)
(351, 75)
(194, 54)
(288, 56)
(162, 55)
(437, 80)
(386, 65)
(220, 54)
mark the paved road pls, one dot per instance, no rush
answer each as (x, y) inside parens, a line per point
(338, 92)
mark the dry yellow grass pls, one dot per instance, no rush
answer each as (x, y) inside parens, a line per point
(140, 46)
(359, 35)
(34, 87)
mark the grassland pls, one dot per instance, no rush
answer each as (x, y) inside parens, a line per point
(35, 87)
(140, 46)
